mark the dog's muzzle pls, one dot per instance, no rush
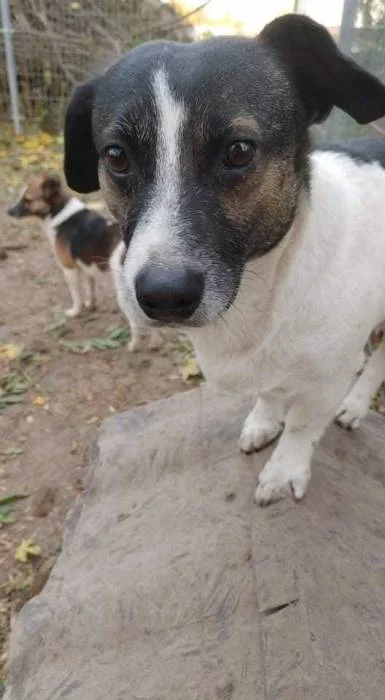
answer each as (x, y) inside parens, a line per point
(18, 210)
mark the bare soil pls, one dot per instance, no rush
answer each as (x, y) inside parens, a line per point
(44, 437)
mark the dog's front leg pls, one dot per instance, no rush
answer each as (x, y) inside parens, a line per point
(90, 295)
(289, 467)
(264, 423)
(356, 404)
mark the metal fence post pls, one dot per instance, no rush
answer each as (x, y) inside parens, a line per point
(347, 26)
(349, 12)
(11, 66)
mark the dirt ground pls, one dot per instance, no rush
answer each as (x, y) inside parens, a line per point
(53, 397)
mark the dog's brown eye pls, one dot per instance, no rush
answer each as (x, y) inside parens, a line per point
(239, 154)
(116, 159)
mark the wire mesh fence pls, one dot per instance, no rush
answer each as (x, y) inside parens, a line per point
(56, 43)
(361, 36)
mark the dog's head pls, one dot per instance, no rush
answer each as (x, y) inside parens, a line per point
(42, 196)
(201, 153)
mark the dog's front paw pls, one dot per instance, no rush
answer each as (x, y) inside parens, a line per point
(350, 413)
(257, 434)
(90, 304)
(278, 478)
(133, 345)
(73, 312)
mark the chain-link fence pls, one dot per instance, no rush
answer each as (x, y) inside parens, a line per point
(56, 42)
(361, 35)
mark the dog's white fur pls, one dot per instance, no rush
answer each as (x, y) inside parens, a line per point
(301, 319)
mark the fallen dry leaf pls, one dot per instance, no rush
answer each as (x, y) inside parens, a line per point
(39, 401)
(191, 369)
(32, 143)
(10, 351)
(46, 139)
(26, 549)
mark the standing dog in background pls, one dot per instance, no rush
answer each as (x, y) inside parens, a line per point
(271, 256)
(83, 241)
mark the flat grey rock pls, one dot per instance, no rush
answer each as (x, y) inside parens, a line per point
(173, 585)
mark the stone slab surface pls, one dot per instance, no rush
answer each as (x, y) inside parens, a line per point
(173, 585)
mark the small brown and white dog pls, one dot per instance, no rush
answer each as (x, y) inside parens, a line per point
(83, 241)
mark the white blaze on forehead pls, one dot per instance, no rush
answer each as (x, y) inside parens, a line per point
(157, 229)
(157, 235)
(171, 117)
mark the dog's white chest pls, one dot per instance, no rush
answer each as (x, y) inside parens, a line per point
(49, 230)
(50, 223)
(251, 367)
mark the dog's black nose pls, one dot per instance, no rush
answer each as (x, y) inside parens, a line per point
(169, 295)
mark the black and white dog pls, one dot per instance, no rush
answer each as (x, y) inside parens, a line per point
(272, 257)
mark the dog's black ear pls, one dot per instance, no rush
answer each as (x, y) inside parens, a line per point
(80, 156)
(323, 75)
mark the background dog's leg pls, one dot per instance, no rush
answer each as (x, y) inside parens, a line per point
(89, 284)
(264, 423)
(72, 277)
(306, 421)
(155, 340)
(134, 342)
(356, 404)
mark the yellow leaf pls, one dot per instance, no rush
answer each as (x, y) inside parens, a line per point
(39, 401)
(190, 369)
(26, 549)
(29, 159)
(10, 351)
(32, 143)
(46, 139)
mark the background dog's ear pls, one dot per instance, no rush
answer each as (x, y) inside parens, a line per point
(51, 187)
(80, 156)
(324, 76)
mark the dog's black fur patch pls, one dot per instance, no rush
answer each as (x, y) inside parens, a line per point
(89, 237)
